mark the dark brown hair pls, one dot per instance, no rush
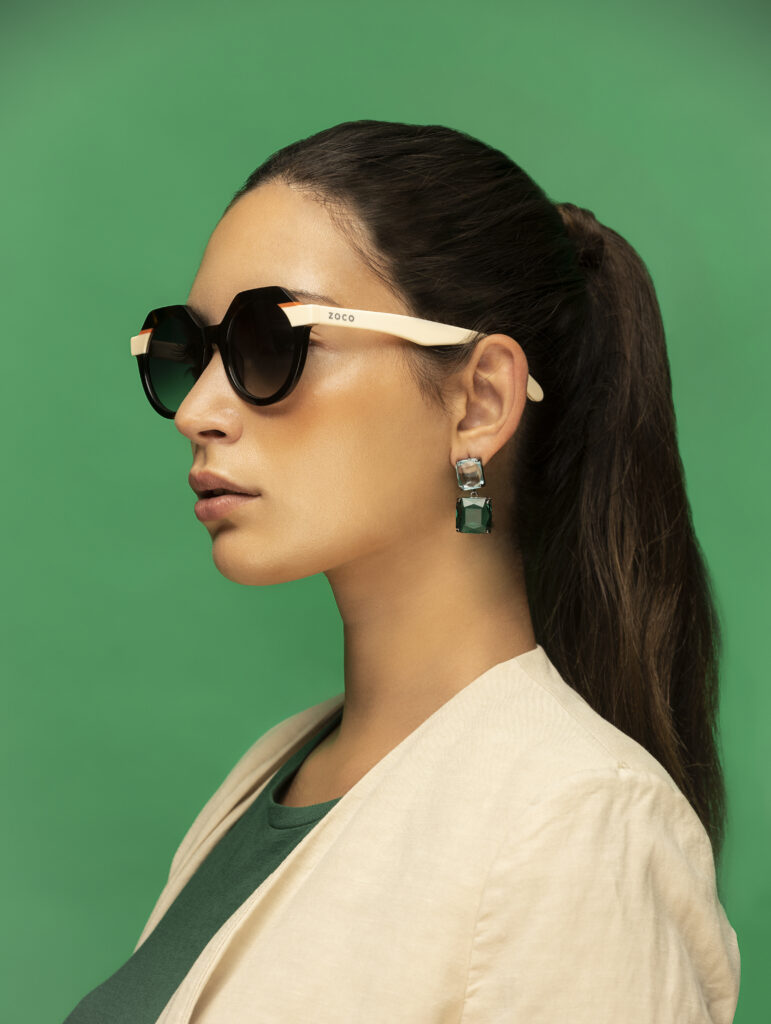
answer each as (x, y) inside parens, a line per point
(619, 592)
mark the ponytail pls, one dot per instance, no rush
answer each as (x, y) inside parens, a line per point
(617, 583)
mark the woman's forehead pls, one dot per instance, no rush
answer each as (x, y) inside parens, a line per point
(277, 235)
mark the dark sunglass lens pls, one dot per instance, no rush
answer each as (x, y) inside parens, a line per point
(263, 345)
(174, 356)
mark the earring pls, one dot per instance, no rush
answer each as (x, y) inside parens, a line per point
(473, 514)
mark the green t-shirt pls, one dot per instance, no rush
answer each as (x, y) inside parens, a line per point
(253, 848)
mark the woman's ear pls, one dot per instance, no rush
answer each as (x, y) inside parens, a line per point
(489, 396)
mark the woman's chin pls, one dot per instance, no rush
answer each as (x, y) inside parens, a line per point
(238, 563)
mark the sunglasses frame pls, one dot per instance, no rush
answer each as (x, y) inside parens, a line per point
(302, 314)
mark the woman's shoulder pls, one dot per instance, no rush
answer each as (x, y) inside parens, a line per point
(614, 875)
(538, 714)
(596, 833)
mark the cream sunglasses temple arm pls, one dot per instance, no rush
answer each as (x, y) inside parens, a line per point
(412, 328)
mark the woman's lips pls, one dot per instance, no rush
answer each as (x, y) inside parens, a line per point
(222, 505)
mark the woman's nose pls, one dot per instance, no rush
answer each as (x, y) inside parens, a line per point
(210, 404)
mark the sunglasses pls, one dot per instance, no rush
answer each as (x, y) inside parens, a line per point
(263, 341)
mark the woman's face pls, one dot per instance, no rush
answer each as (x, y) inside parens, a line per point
(353, 465)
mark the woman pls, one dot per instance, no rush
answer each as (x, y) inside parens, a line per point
(515, 810)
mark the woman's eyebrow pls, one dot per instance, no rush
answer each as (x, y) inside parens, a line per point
(298, 293)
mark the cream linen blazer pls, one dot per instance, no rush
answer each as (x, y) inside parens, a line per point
(516, 858)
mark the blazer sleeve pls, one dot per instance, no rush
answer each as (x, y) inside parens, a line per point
(601, 906)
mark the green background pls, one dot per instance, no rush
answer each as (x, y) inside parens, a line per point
(136, 675)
